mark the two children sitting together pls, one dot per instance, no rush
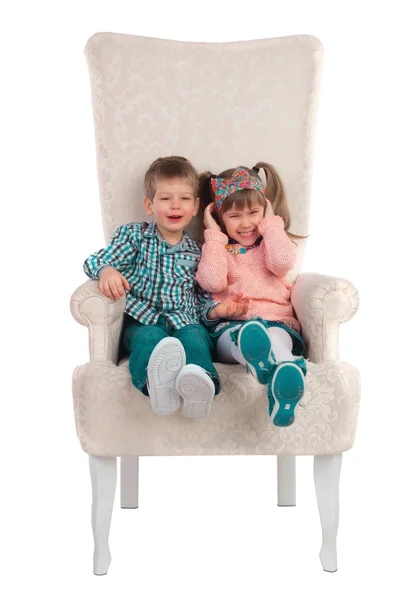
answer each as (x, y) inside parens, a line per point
(227, 300)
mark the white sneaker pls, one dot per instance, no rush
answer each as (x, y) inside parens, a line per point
(197, 390)
(166, 361)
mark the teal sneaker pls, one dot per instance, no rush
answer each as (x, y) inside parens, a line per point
(284, 393)
(255, 345)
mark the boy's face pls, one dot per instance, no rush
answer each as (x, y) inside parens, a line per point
(173, 206)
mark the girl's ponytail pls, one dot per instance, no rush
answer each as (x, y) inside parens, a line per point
(205, 190)
(275, 191)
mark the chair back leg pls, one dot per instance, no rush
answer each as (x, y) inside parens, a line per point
(129, 481)
(286, 469)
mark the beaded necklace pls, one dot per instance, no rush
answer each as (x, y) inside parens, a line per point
(239, 250)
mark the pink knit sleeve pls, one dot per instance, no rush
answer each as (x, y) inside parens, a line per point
(279, 250)
(212, 272)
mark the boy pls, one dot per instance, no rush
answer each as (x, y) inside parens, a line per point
(155, 266)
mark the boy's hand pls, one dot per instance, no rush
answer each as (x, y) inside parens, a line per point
(235, 306)
(209, 221)
(112, 283)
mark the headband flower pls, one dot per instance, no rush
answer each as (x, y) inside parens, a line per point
(240, 180)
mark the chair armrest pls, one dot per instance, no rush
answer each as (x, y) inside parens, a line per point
(321, 304)
(102, 316)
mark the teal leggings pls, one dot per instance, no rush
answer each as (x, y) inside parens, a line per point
(140, 341)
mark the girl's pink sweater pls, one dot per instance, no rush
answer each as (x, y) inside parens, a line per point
(259, 273)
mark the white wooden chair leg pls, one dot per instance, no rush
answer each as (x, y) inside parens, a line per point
(326, 477)
(103, 473)
(286, 469)
(129, 481)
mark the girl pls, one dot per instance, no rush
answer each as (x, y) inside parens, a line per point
(247, 250)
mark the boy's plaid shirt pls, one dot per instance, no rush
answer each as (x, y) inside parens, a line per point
(161, 277)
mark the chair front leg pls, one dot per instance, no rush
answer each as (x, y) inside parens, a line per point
(326, 478)
(103, 473)
(129, 481)
(286, 469)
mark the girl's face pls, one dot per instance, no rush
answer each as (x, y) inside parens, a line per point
(242, 225)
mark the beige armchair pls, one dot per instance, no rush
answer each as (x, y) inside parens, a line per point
(219, 105)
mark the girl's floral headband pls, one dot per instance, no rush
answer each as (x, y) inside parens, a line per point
(240, 180)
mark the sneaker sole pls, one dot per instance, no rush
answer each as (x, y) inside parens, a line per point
(197, 391)
(287, 389)
(166, 361)
(258, 354)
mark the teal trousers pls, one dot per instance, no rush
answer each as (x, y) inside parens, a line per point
(140, 341)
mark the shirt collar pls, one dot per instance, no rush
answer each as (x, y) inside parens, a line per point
(151, 230)
(186, 243)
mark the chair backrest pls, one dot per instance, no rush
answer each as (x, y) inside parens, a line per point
(219, 104)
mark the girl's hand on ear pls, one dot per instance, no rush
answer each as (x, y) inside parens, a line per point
(209, 221)
(269, 212)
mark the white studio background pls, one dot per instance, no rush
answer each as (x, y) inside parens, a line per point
(207, 527)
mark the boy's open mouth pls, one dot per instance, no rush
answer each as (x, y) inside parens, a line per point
(175, 217)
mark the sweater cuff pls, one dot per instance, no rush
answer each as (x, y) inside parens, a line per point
(270, 222)
(211, 235)
(207, 311)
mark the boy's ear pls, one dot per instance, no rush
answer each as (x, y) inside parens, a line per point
(196, 206)
(148, 205)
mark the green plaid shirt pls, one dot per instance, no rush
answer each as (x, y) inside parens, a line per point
(161, 277)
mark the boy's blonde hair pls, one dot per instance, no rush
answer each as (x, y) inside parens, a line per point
(169, 167)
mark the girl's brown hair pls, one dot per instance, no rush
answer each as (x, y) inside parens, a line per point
(274, 191)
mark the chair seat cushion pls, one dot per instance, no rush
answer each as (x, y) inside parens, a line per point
(114, 419)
